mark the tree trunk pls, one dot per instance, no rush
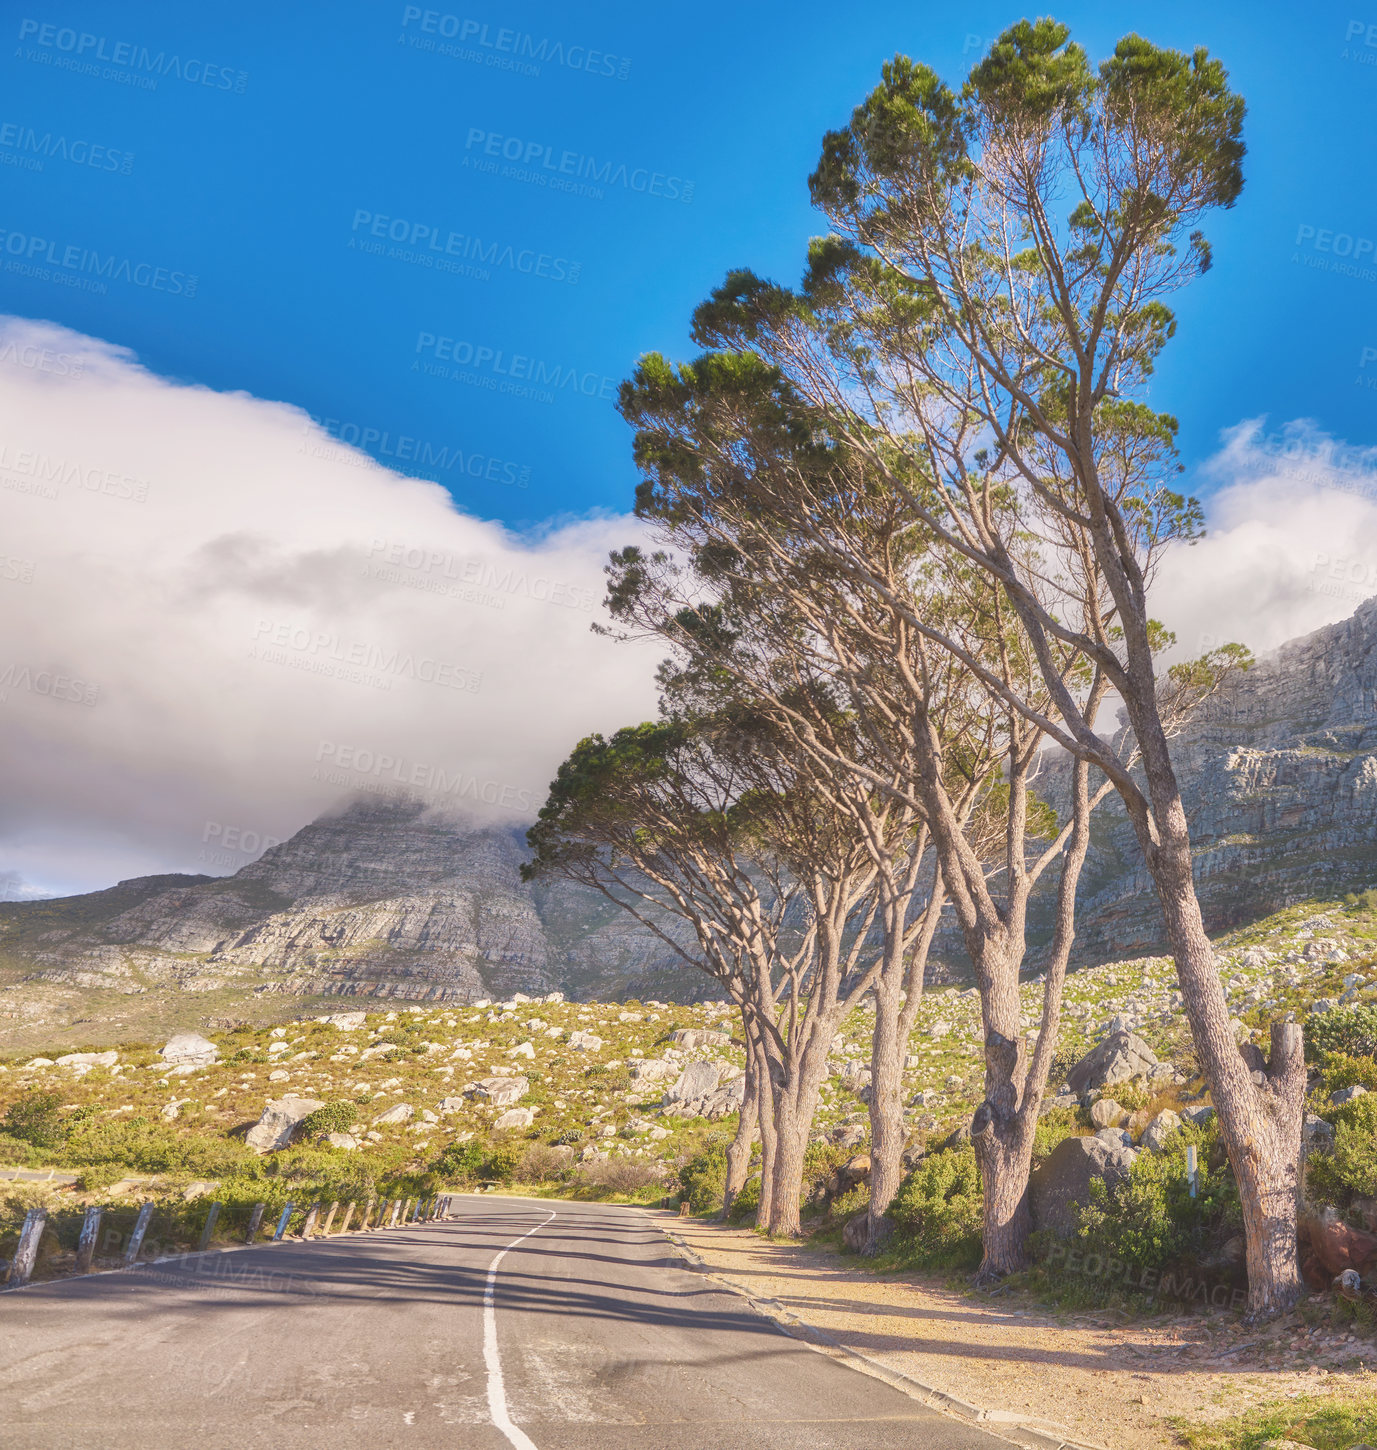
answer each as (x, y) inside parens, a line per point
(1261, 1126)
(1002, 1139)
(786, 1186)
(739, 1153)
(888, 1132)
(769, 1139)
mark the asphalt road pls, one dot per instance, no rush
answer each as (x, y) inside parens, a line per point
(503, 1329)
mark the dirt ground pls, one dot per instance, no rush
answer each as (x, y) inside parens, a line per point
(1103, 1383)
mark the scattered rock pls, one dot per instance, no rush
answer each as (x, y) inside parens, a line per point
(189, 1048)
(653, 1069)
(502, 1092)
(400, 1113)
(1336, 1245)
(1121, 1057)
(1160, 1130)
(345, 1021)
(514, 1118)
(347, 1142)
(1108, 1114)
(585, 1042)
(279, 1074)
(695, 1037)
(697, 1080)
(1116, 1137)
(85, 1061)
(450, 1105)
(1344, 1095)
(1198, 1115)
(199, 1189)
(279, 1121)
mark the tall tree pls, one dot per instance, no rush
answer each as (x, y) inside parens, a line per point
(982, 328)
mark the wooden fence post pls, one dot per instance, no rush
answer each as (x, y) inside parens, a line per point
(348, 1216)
(329, 1219)
(24, 1256)
(131, 1253)
(210, 1226)
(282, 1223)
(309, 1227)
(255, 1222)
(396, 1213)
(86, 1245)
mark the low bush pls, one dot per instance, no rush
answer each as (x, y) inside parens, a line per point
(746, 1204)
(937, 1212)
(1053, 1126)
(336, 1117)
(37, 1119)
(703, 1180)
(1350, 1166)
(1350, 1030)
(545, 1163)
(622, 1176)
(1342, 1070)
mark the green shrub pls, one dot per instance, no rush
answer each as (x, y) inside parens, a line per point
(36, 1118)
(1350, 1166)
(703, 1180)
(461, 1162)
(1351, 1030)
(332, 1118)
(502, 1161)
(1151, 1222)
(746, 1204)
(937, 1211)
(1344, 1071)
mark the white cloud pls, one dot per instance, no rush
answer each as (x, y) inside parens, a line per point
(221, 621)
(1291, 541)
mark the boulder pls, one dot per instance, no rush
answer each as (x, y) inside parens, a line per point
(1317, 1132)
(653, 1069)
(279, 1121)
(697, 1080)
(856, 1232)
(1064, 1180)
(1115, 1137)
(1344, 1095)
(85, 1061)
(279, 1074)
(400, 1113)
(1108, 1114)
(694, 1037)
(346, 1142)
(1366, 1209)
(345, 1021)
(855, 1170)
(585, 1042)
(1160, 1129)
(450, 1105)
(1199, 1115)
(514, 1118)
(1121, 1057)
(522, 1049)
(502, 1092)
(1336, 1245)
(189, 1048)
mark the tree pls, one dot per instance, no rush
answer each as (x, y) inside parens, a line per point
(981, 328)
(789, 534)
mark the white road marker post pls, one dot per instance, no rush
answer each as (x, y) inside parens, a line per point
(86, 1245)
(21, 1266)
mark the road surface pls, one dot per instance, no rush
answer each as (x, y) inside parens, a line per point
(518, 1325)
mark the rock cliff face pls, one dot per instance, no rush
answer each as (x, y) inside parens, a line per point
(393, 900)
(383, 899)
(1279, 776)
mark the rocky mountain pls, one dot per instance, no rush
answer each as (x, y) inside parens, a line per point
(392, 899)
(1279, 776)
(385, 898)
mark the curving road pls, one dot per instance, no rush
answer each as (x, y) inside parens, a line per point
(517, 1325)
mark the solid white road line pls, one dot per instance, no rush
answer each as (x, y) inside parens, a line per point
(497, 1394)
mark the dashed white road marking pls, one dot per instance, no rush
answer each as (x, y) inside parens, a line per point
(497, 1394)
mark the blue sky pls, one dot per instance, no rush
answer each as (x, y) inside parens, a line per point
(282, 134)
